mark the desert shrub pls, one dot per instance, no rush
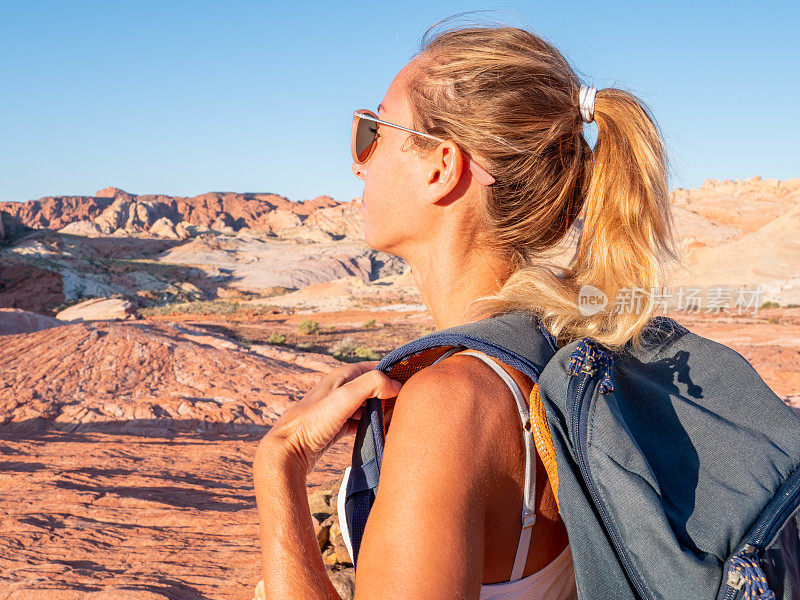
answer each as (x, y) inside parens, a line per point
(308, 326)
(769, 304)
(276, 338)
(365, 353)
(370, 324)
(343, 347)
(346, 349)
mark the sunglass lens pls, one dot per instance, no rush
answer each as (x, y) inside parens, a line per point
(365, 137)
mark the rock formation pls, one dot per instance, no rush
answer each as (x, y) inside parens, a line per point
(157, 376)
(29, 287)
(14, 321)
(112, 210)
(126, 461)
(99, 309)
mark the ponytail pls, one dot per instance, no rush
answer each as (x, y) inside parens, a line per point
(626, 242)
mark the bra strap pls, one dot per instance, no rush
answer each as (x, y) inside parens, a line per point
(529, 503)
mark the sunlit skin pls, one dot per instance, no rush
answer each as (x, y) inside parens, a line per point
(447, 515)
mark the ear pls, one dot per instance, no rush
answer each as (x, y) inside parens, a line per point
(444, 166)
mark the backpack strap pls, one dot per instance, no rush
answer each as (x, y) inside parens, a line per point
(544, 440)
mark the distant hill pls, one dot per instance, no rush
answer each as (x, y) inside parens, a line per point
(114, 210)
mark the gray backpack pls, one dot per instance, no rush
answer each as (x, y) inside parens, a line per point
(677, 465)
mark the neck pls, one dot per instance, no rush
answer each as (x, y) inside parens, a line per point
(451, 271)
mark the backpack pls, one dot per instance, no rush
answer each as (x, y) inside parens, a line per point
(677, 466)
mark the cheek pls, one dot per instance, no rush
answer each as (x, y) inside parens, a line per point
(385, 185)
(386, 205)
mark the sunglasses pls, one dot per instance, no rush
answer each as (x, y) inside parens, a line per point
(364, 138)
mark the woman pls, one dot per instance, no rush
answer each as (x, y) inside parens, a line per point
(479, 168)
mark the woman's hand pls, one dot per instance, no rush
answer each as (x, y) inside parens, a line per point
(328, 413)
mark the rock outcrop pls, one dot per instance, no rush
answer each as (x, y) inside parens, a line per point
(11, 227)
(127, 447)
(29, 287)
(139, 376)
(251, 264)
(14, 321)
(745, 205)
(99, 309)
(82, 228)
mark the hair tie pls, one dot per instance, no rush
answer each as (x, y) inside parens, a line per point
(586, 103)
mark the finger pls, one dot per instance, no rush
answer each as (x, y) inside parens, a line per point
(358, 369)
(373, 384)
(342, 375)
(344, 402)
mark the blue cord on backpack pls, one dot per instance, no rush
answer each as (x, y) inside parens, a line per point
(750, 576)
(587, 357)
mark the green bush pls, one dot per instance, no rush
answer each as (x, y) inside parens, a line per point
(769, 304)
(308, 326)
(371, 324)
(347, 350)
(276, 338)
(365, 353)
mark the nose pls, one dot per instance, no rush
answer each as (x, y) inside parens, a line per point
(359, 170)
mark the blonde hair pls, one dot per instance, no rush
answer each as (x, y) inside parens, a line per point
(510, 98)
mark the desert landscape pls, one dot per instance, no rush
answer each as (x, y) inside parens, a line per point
(147, 343)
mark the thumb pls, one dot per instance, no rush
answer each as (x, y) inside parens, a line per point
(373, 384)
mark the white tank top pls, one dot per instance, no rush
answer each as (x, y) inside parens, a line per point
(556, 581)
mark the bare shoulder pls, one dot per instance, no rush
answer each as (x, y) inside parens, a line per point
(457, 398)
(436, 478)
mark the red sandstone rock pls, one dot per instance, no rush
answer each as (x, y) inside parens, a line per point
(152, 376)
(99, 309)
(29, 288)
(14, 321)
(126, 460)
(112, 209)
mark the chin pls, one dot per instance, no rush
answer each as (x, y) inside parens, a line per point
(371, 241)
(376, 242)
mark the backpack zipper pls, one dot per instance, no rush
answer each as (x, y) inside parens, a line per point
(764, 531)
(735, 578)
(579, 429)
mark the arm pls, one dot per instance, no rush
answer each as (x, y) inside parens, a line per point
(292, 565)
(291, 560)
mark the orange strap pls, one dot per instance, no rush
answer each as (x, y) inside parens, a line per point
(541, 436)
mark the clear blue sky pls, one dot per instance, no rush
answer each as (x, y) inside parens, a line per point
(185, 97)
